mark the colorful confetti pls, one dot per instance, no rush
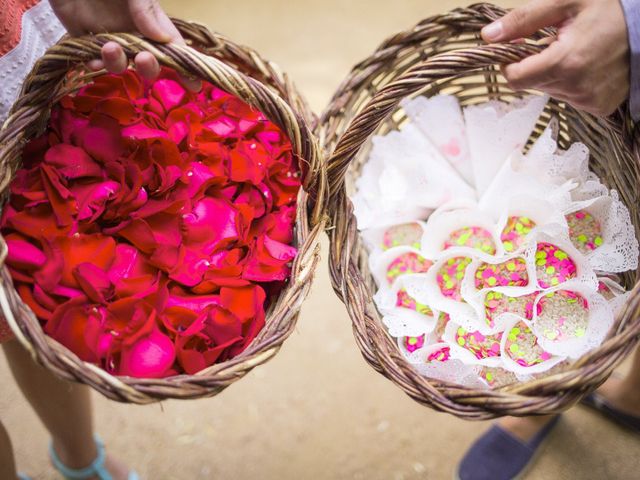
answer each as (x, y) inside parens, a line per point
(473, 237)
(584, 230)
(563, 315)
(404, 300)
(553, 265)
(497, 377)
(497, 303)
(512, 273)
(515, 232)
(482, 346)
(407, 234)
(440, 355)
(409, 262)
(413, 343)
(522, 346)
(441, 324)
(605, 291)
(450, 277)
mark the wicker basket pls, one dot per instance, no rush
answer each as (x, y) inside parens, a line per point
(240, 71)
(444, 54)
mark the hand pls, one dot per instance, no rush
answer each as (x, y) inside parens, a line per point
(80, 17)
(587, 65)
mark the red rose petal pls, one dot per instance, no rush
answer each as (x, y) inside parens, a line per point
(78, 327)
(169, 92)
(72, 162)
(140, 131)
(149, 357)
(23, 254)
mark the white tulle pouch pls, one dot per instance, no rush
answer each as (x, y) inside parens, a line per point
(519, 215)
(470, 231)
(521, 352)
(440, 119)
(509, 181)
(472, 347)
(378, 240)
(495, 130)
(408, 170)
(388, 266)
(570, 320)
(379, 203)
(548, 164)
(435, 361)
(602, 230)
(403, 315)
(440, 287)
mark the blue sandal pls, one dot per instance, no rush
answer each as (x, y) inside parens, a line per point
(96, 468)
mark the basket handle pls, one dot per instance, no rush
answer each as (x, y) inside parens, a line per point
(386, 100)
(42, 87)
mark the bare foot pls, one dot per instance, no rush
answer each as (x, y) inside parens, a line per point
(115, 467)
(621, 394)
(524, 428)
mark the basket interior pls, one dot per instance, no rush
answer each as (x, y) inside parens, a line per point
(610, 159)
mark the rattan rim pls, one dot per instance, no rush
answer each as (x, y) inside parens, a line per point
(361, 106)
(240, 71)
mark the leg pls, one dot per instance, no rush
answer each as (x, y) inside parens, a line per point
(7, 462)
(64, 409)
(525, 428)
(624, 393)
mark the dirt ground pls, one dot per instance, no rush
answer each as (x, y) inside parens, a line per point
(317, 411)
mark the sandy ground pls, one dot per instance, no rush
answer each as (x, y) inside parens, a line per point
(317, 411)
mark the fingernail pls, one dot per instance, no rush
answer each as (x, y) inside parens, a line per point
(493, 31)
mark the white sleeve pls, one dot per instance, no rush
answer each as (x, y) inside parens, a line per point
(40, 29)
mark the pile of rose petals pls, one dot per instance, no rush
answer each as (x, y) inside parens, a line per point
(150, 226)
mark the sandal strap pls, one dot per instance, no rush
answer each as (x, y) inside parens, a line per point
(96, 468)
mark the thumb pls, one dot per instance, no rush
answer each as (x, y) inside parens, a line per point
(153, 22)
(526, 20)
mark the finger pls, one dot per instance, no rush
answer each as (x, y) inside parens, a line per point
(538, 69)
(192, 84)
(114, 58)
(526, 20)
(95, 65)
(147, 65)
(153, 22)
